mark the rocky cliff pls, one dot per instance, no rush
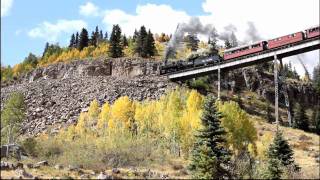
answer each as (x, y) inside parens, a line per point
(55, 95)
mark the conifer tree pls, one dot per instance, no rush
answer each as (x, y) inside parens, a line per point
(192, 42)
(83, 40)
(93, 39)
(281, 150)
(150, 45)
(72, 41)
(116, 48)
(300, 118)
(76, 45)
(106, 37)
(45, 49)
(124, 41)
(274, 170)
(100, 37)
(141, 45)
(210, 158)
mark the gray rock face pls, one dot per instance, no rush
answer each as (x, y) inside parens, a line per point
(57, 94)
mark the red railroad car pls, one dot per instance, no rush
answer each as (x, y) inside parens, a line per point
(244, 50)
(284, 40)
(313, 32)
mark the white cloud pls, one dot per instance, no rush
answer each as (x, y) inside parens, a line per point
(159, 18)
(89, 9)
(51, 32)
(5, 7)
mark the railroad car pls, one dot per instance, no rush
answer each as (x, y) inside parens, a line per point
(312, 32)
(244, 50)
(285, 40)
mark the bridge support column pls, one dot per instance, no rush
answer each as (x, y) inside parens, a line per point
(276, 90)
(219, 81)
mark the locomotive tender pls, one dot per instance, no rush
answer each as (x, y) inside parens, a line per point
(242, 51)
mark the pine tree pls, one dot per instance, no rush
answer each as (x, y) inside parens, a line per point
(281, 150)
(76, 45)
(93, 39)
(45, 49)
(300, 118)
(141, 42)
(83, 40)
(135, 36)
(227, 44)
(150, 44)
(100, 37)
(124, 41)
(210, 158)
(72, 41)
(116, 48)
(274, 170)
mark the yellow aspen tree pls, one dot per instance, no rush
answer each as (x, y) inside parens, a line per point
(122, 112)
(93, 113)
(81, 127)
(241, 131)
(104, 117)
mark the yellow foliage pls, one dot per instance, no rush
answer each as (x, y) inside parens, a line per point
(146, 116)
(263, 145)
(100, 50)
(81, 127)
(104, 117)
(241, 131)
(203, 45)
(122, 113)
(94, 110)
(159, 48)
(17, 69)
(183, 53)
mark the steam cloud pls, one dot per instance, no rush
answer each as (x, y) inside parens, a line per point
(252, 34)
(194, 26)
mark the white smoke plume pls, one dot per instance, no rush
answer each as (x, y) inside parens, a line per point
(252, 34)
(194, 26)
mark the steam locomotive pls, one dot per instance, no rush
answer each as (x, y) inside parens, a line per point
(242, 51)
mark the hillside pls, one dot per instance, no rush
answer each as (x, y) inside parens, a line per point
(60, 97)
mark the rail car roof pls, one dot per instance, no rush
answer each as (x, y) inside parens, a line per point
(242, 46)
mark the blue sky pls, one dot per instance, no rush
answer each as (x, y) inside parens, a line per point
(26, 25)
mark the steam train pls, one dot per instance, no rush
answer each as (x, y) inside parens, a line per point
(242, 51)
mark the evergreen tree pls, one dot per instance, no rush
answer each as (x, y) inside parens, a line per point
(93, 39)
(227, 44)
(150, 44)
(106, 37)
(281, 150)
(72, 41)
(274, 170)
(31, 59)
(141, 42)
(116, 48)
(76, 44)
(100, 37)
(300, 119)
(233, 40)
(83, 40)
(45, 49)
(210, 158)
(124, 41)
(135, 36)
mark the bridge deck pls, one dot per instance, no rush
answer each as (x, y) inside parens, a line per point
(233, 64)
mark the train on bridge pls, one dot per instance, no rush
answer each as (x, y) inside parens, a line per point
(242, 51)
